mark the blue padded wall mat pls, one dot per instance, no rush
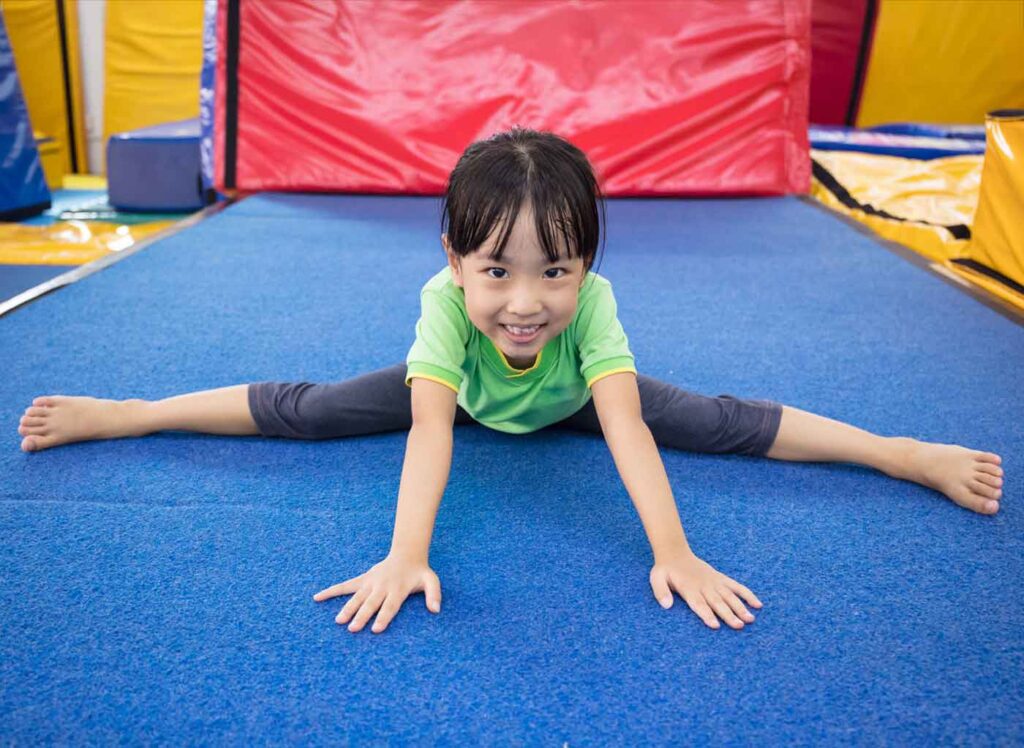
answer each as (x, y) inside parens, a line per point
(160, 589)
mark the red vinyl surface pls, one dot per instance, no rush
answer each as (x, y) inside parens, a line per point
(836, 30)
(704, 97)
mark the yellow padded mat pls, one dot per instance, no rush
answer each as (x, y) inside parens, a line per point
(909, 201)
(995, 256)
(69, 242)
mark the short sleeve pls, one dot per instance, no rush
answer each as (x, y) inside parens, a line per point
(439, 350)
(601, 341)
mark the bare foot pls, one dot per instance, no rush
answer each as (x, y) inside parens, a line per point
(970, 478)
(56, 419)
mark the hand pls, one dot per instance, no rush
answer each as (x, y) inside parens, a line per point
(703, 588)
(388, 582)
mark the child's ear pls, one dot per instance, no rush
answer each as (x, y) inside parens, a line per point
(454, 261)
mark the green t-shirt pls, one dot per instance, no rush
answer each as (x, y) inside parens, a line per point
(451, 350)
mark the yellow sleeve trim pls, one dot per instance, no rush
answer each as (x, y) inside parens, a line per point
(432, 379)
(604, 374)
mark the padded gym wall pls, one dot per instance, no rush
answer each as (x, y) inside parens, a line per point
(23, 190)
(153, 57)
(944, 61)
(841, 34)
(44, 37)
(691, 98)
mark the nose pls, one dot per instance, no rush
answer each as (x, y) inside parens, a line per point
(525, 303)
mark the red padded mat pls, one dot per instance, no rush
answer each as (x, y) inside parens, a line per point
(666, 98)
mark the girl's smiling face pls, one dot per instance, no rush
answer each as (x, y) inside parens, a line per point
(523, 289)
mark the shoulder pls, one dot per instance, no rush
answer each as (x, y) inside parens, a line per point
(595, 291)
(443, 306)
(441, 282)
(442, 286)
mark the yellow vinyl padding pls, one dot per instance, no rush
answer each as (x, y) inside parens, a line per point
(944, 61)
(154, 53)
(921, 196)
(34, 31)
(53, 157)
(69, 242)
(997, 240)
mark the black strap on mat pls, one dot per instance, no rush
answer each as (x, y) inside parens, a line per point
(69, 107)
(231, 95)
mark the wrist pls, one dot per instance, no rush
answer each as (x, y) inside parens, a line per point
(409, 555)
(668, 553)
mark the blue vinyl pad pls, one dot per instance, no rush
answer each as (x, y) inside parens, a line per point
(160, 589)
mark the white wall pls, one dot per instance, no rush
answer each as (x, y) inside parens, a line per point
(92, 16)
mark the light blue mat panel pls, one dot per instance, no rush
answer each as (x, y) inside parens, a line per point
(159, 590)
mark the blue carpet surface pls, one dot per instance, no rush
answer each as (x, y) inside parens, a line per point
(159, 589)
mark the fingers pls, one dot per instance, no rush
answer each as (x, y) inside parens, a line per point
(337, 590)
(368, 608)
(699, 606)
(388, 610)
(749, 596)
(737, 606)
(432, 592)
(718, 600)
(352, 605)
(662, 592)
(722, 608)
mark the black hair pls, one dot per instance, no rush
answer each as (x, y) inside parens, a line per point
(494, 177)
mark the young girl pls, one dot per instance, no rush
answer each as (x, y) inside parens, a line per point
(517, 333)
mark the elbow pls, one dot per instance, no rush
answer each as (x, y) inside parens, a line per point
(624, 426)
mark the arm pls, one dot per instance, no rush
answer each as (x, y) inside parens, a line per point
(406, 569)
(636, 456)
(428, 459)
(707, 591)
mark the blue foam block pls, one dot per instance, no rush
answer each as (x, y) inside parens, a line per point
(155, 169)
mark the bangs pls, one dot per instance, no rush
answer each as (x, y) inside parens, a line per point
(496, 178)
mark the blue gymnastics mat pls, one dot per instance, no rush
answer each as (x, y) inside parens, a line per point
(159, 590)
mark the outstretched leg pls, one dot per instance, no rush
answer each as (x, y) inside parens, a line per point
(764, 428)
(58, 419)
(371, 403)
(970, 478)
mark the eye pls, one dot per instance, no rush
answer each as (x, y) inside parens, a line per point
(549, 277)
(556, 270)
(488, 271)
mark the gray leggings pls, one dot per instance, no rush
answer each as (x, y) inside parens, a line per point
(380, 401)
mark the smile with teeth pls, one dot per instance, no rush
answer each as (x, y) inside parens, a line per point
(522, 333)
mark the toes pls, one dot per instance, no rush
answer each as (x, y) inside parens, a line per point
(37, 411)
(982, 490)
(979, 504)
(988, 457)
(45, 402)
(25, 429)
(35, 442)
(989, 468)
(988, 480)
